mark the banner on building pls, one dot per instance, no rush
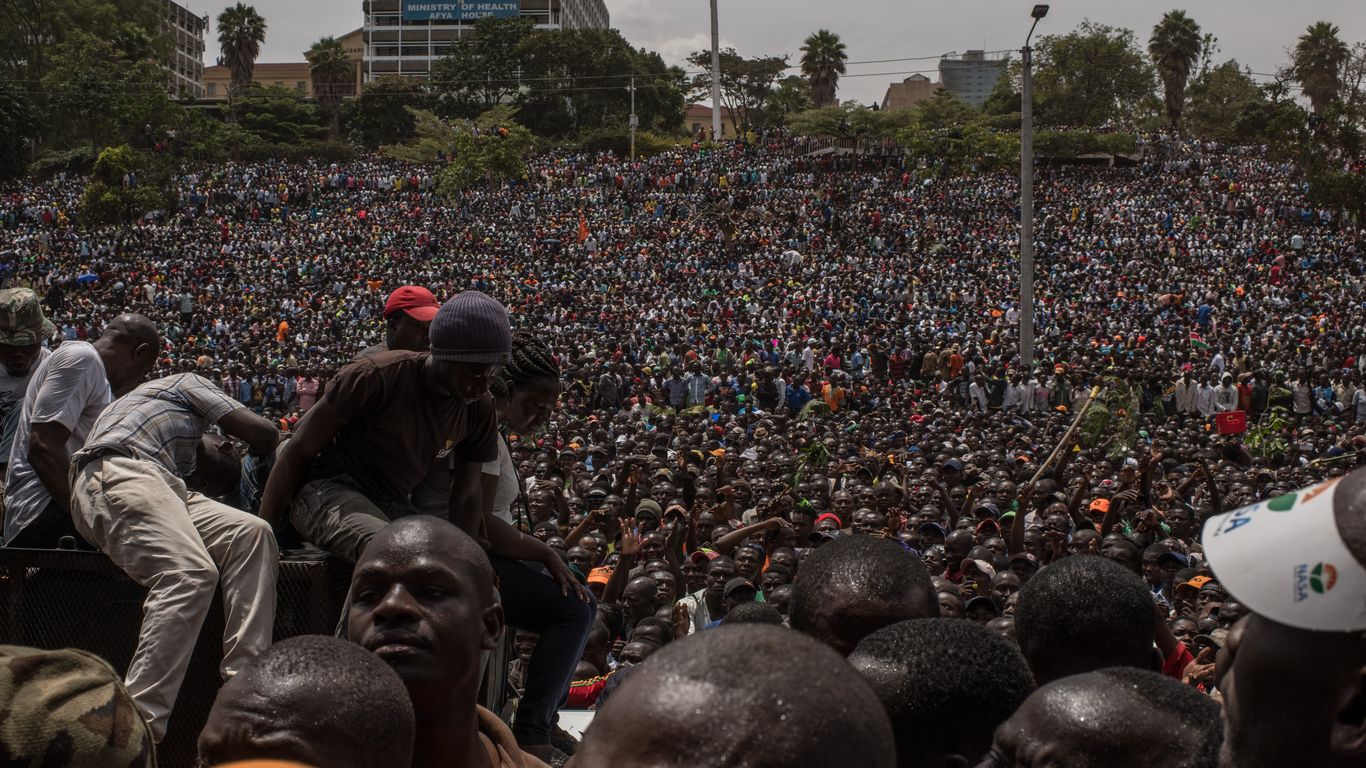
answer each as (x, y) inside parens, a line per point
(460, 10)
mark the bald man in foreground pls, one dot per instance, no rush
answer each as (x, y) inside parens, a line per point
(314, 699)
(422, 601)
(741, 695)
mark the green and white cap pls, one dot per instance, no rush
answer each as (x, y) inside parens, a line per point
(21, 318)
(1289, 560)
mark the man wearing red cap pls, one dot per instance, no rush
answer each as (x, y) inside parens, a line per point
(407, 315)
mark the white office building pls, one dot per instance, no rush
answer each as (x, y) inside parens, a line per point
(405, 37)
(972, 76)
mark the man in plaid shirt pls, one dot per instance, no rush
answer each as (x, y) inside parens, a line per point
(129, 498)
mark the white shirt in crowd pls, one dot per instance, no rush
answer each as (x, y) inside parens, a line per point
(12, 389)
(1225, 398)
(507, 483)
(69, 387)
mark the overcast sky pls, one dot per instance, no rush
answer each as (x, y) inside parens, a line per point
(1255, 32)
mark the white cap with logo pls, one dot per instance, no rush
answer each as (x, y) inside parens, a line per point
(1285, 558)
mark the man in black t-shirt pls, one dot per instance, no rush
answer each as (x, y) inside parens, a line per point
(385, 419)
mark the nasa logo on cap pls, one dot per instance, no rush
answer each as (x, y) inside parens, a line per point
(1285, 558)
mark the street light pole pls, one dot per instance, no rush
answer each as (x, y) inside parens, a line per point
(1027, 197)
(634, 120)
(715, 75)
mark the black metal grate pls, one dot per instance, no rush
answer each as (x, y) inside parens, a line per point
(61, 599)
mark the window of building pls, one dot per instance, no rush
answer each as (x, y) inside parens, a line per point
(213, 89)
(280, 83)
(300, 86)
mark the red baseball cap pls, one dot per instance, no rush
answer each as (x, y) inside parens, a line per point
(417, 302)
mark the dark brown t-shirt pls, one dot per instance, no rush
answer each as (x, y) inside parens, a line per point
(396, 428)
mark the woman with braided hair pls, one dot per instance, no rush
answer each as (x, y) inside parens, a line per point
(525, 392)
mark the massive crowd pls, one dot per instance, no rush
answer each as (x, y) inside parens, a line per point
(728, 385)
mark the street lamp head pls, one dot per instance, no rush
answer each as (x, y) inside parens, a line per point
(1039, 11)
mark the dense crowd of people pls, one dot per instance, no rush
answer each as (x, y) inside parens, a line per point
(722, 385)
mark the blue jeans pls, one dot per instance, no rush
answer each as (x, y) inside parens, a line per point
(532, 602)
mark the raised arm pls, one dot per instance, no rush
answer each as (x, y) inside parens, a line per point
(1017, 524)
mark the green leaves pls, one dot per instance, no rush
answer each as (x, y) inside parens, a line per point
(18, 126)
(241, 30)
(125, 185)
(1175, 47)
(1089, 76)
(746, 84)
(823, 58)
(490, 149)
(1317, 62)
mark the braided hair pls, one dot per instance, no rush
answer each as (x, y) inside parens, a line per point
(531, 359)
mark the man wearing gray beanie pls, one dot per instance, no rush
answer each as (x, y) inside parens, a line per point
(384, 422)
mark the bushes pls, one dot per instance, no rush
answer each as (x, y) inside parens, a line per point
(1048, 143)
(76, 160)
(619, 142)
(125, 185)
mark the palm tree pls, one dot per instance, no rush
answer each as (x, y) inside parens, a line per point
(1317, 63)
(823, 60)
(1175, 47)
(330, 69)
(241, 30)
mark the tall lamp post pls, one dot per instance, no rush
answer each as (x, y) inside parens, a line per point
(1027, 197)
(715, 75)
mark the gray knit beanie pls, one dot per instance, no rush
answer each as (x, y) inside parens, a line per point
(471, 327)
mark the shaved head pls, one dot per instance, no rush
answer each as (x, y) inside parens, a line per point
(315, 699)
(741, 695)
(134, 329)
(129, 347)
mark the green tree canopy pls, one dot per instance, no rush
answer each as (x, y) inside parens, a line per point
(481, 71)
(18, 127)
(330, 69)
(1175, 46)
(124, 185)
(241, 30)
(94, 93)
(1089, 76)
(792, 95)
(33, 31)
(278, 115)
(580, 82)
(746, 84)
(1317, 62)
(823, 58)
(380, 115)
(1217, 98)
(490, 149)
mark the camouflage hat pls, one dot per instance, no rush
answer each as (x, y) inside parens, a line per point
(21, 318)
(68, 708)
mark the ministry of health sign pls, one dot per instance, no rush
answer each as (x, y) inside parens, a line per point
(460, 10)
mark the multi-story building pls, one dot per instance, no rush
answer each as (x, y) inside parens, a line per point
(293, 74)
(972, 76)
(405, 37)
(186, 31)
(909, 92)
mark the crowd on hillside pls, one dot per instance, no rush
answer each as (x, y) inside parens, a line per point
(733, 385)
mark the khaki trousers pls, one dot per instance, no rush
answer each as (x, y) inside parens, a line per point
(182, 546)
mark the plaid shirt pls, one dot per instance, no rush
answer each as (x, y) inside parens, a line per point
(162, 421)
